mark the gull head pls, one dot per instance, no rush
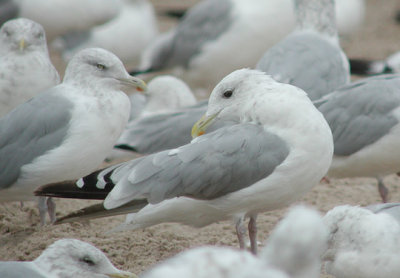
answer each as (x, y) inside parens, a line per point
(75, 258)
(101, 69)
(247, 95)
(21, 35)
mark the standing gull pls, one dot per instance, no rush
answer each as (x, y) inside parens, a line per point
(25, 66)
(310, 57)
(362, 243)
(364, 117)
(66, 131)
(276, 149)
(65, 258)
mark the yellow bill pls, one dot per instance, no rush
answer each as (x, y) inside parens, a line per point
(200, 127)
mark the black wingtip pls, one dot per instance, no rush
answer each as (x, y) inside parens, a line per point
(69, 190)
(98, 210)
(368, 67)
(176, 13)
(125, 147)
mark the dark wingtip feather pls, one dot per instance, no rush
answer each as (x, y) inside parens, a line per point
(125, 147)
(176, 13)
(98, 210)
(138, 72)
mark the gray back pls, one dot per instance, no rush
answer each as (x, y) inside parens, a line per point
(215, 164)
(30, 130)
(390, 208)
(307, 61)
(360, 113)
(203, 23)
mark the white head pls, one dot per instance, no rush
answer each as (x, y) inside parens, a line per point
(297, 243)
(78, 259)
(21, 35)
(166, 93)
(99, 68)
(252, 96)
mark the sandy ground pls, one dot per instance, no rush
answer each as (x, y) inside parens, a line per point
(21, 238)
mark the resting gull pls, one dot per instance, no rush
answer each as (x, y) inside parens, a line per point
(310, 57)
(165, 94)
(362, 244)
(66, 131)
(364, 118)
(25, 66)
(276, 149)
(65, 258)
(293, 250)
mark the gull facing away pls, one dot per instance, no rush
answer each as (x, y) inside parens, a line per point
(310, 57)
(277, 147)
(65, 258)
(293, 250)
(364, 117)
(66, 131)
(362, 244)
(25, 66)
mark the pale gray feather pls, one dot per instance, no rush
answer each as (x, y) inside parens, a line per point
(18, 270)
(307, 61)
(30, 130)
(221, 162)
(203, 23)
(390, 208)
(360, 113)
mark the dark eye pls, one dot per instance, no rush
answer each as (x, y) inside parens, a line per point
(101, 66)
(88, 260)
(228, 93)
(39, 35)
(7, 33)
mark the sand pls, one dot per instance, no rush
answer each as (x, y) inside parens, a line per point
(22, 238)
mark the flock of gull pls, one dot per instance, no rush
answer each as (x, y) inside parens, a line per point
(282, 115)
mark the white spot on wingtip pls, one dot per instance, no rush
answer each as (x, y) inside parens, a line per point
(80, 183)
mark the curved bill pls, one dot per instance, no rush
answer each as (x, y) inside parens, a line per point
(200, 127)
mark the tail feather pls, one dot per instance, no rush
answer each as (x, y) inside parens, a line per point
(98, 210)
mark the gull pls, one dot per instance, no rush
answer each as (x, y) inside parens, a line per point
(66, 131)
(65, 258)
(165, 95)
(362, 243)
(293, 250)
(262, 161)
(126, 35)
(25, 65)
(310, 57)
(364, 118)
(217, 37)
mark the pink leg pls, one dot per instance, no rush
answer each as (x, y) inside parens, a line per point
(240, 232)
(383, 191)
(51, 209)
(253, 233)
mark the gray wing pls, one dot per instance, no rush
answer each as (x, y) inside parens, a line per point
(203, 23)
(360, 113)
(161, 132)
(30, 130)
(18, 270)
(390, 208)
(8, 10)
(224, 161)
(308, 62)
